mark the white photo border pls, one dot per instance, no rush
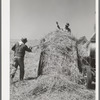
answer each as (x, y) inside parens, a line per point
(5, 37)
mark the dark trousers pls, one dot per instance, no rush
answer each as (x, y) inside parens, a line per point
(92, 58)
(18, 61)
(92, 62)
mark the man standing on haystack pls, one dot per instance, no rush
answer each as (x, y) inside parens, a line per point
(19, 52)
(58, 26)
(67, 27)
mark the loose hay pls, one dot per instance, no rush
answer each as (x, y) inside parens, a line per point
(47, 86)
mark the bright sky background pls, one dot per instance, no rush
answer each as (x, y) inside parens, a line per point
(36, 18)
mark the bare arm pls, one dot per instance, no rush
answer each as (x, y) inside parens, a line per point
(58, 25)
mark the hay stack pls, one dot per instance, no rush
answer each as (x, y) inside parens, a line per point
(59, 55)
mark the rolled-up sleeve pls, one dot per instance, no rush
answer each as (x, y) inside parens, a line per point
(28, 49)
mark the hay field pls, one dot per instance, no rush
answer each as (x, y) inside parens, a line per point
(46, 87)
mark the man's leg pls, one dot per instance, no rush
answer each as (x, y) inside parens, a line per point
(21, 64)
(14, 67)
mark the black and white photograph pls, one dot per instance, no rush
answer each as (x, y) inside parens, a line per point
(52, 50)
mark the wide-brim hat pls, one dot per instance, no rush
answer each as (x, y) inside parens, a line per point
(24, 39)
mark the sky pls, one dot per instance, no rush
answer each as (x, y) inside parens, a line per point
(36, 18)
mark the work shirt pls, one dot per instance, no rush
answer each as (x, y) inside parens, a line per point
(67, 28)
(19, 49)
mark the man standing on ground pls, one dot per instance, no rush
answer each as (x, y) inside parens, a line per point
(19, 51)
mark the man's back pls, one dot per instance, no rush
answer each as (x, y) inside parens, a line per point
(19, 49)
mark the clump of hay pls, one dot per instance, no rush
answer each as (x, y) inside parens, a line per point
(47, 86)
(82, 53)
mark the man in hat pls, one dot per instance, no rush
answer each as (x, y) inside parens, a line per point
(59, 26)
(67, 27)
(19, 52)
